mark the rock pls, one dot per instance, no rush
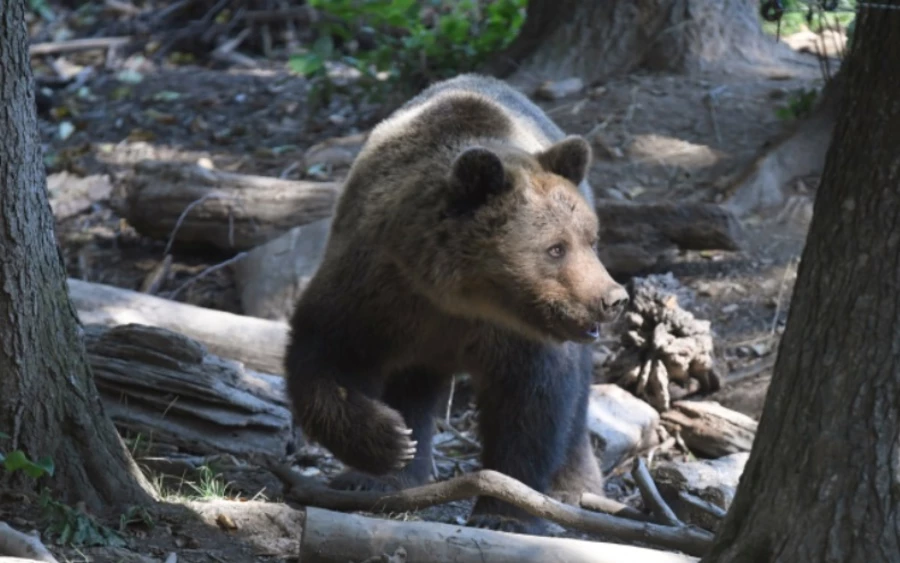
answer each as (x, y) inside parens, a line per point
(556, 89)
(273, 275)
(621, 423)
(713, 480)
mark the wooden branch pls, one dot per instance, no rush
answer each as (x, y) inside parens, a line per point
(490, 483)
(73, 45)
(22, 547)
(335, 537)
(651, 496)
(257, 343)
(709, 429)
(597, 503)
(227, 211)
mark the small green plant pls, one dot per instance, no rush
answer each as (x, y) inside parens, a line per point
(69, 526)
(408, 41)
(17, 460)
(799, 104)
(209, 486)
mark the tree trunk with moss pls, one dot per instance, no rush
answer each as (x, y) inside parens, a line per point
(822, 483)
(48, 403)
(599, 39)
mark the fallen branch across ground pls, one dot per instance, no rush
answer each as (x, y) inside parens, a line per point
(651, 496)
(309, 492)
(336, 537)
(72, 45)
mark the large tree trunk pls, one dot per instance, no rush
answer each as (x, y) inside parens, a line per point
(48, 403)
(823, 481)
(599, 39)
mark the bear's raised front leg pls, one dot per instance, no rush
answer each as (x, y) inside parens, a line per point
(416, 394)
(343, 412)
(526, 403)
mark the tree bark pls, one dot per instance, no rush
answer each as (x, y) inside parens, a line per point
(596, 40)
(823, 480)
(49, 405)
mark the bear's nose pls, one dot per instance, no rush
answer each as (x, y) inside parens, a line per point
(613, 303)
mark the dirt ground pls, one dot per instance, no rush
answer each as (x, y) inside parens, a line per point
(657, 137)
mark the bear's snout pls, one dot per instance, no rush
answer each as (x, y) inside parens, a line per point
(611, 303)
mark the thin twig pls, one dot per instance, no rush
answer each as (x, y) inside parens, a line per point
(207, 271)
(307, 491)
(184, 214)
(705, 506)
(651, 495)
(447, 427)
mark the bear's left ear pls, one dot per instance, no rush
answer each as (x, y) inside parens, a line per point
(569, 158)
(477, 173)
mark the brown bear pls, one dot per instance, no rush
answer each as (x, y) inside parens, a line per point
(465, 240)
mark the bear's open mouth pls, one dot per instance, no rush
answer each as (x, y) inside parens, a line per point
(578, 331)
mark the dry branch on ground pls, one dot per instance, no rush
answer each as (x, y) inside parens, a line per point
(485, 482)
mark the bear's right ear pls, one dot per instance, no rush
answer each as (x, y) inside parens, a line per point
(477, 173)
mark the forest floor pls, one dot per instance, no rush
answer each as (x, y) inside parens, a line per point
(657, 137)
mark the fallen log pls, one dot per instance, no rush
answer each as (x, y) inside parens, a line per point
(709, 429)
(162, 384)
(485, 482)
(336, 537)
(211, 207)
(257, 343)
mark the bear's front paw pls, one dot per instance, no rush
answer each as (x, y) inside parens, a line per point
(380, 445)
(506, 524)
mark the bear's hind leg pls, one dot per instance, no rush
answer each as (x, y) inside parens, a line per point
(416, 394)
(580, 474)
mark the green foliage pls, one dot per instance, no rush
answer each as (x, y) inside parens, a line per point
(411, 42)
(209, 485)
(796, 15)
(799, 104)
(68, 526)
(17, 460)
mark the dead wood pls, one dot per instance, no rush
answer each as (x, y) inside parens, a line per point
(709, 429)
(651, 496)
(162, 384)
(272, 276)
(71, 45)
(663, 343)
(17, 546)
(335, 537)
(310, 492)
(222, 209)
(257, 343)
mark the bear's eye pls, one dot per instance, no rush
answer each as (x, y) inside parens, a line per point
(557, 250)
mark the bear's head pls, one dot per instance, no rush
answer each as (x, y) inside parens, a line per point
(524, 242)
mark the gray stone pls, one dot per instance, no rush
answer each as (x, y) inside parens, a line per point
(621, 423)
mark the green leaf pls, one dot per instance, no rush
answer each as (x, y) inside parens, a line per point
(306, 65)
(4, 436)
(18, 461)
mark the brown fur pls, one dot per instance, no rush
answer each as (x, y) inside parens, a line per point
(443, 259)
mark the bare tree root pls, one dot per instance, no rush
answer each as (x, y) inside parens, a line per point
(799, 152)
(661, 343)
(15, 544)
(306, 491)
(651, 495)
